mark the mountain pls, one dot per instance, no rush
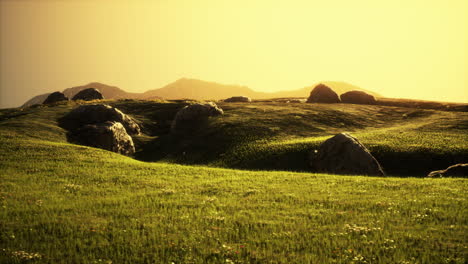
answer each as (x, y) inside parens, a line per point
(198, 89)
(186, 88)
(109, 92)
(38, 99)
(338, 87)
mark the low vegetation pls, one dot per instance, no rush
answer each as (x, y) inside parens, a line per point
(64, 203)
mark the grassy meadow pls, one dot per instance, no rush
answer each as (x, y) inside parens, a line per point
(238, 190)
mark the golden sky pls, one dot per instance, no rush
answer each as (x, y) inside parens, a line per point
(398, 48)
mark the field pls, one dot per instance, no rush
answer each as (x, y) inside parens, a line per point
(239, 190)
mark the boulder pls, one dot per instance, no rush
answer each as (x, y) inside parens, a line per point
(457, 170)
(55, 97)
(88, 95)
(323, 94)
(109, 135)
(344, 154)
(98, 113)
(357, 97)
(241, 99)
(192, 116)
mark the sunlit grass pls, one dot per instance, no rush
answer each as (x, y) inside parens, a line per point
(66, 203)
(63, 203)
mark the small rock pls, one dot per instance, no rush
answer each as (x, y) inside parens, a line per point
(296, 101)
(241, 99)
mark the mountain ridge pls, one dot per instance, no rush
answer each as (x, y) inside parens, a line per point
(188, 88)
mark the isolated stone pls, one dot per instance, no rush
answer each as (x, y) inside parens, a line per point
(192, 116)
(55, 97)
(357, 97)
(98, 113)
(344, 154)
(457, 170)
(88, 95)
(235, 99)
(323, 94)
(109, 135)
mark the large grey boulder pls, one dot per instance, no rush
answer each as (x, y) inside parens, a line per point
(344, 154)
(357, 97)
(323, 94)
(88, 95)
(457, 170)
(238, 99)
(98, 113)
(55, 97)
(110, 136)
(193, 116)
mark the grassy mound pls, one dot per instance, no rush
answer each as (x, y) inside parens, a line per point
(63, 203)
(279, 136)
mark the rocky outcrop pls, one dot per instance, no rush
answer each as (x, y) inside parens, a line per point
(323, 94)
(457, 170)
(98, 113)
(109, 135)
(88, 95)
(55, 97)
(357, 97)
(344, 154)
(193, 116)
(238, 99)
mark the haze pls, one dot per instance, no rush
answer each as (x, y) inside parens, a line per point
(404, 49)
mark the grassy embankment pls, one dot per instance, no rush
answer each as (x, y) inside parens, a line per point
(65, 203)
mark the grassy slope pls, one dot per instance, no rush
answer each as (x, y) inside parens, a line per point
(279, 136)
(77, 204)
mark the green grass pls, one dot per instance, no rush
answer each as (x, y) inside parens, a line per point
(63, 203)
(279, 136)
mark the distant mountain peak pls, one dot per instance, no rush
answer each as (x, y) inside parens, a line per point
(191, 88)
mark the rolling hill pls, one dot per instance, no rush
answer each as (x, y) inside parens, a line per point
(199, 90)
(185, 88)
(109, 92)
(66, 203)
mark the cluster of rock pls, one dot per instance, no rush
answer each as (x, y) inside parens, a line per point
(101, 126)
(85, 95)
(324, 94)
(108, 128)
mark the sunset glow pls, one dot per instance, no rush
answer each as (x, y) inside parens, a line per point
(405, 49)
